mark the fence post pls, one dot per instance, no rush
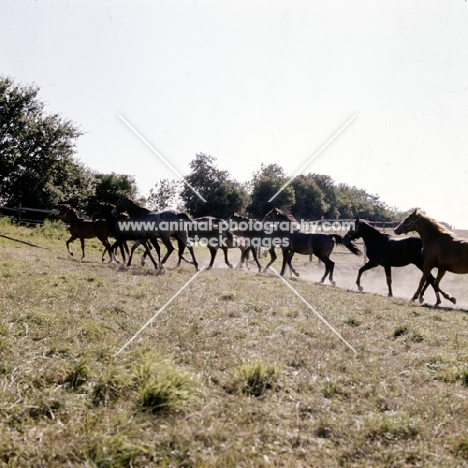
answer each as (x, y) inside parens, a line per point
(18, 215)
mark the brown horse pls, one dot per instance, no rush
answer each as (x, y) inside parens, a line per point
(147, 225)
(441, 250)
(306, 243)
(85, 229)
(251, 235)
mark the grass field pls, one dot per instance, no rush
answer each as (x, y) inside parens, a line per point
(236, 371)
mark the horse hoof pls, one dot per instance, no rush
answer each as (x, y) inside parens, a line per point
(333, 283)
(230, 266)
(421, 300)
(453, 300)
(297, 274)
(360, 288)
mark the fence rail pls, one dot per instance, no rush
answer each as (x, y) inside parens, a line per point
(25, 215)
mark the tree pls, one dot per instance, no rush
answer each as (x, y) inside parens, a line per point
(327, 186)
(37, 167)
(357, 203)
(266, 183)
(222, 194)
(109, 188)
(310, 202)
(165, 195)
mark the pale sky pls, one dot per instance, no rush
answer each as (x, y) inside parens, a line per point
(259, 81)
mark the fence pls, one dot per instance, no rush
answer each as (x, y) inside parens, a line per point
(26, 216)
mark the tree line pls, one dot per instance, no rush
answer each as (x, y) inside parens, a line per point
(311, 196)
(38, 169)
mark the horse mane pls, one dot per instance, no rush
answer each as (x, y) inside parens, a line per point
(286, 214)
(238, 215)
(436, 227)
(373, 229)
(136, 206)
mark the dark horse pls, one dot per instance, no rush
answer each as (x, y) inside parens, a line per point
(150, 225)
(441, 250)
(382, 250)
(251, 235)
(85, 229)
(305, 243)
(212, 230)
(104, 212)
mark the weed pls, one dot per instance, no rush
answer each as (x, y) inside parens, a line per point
(253, 378)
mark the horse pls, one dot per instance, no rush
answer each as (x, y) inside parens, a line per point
(85, 229)
(150, 225)
(104, 211)
(382, 250)
(305, 243)
(216, 235)
(441, 250)
(253, 235)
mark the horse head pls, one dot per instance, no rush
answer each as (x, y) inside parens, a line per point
(409, 223)
(353, 233)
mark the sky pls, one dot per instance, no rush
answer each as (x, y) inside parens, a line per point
(261, 81)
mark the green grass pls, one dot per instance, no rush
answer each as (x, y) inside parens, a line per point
(236, 371)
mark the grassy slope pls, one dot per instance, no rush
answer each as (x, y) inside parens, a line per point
(237, 371)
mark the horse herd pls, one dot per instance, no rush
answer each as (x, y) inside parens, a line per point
(436, 246)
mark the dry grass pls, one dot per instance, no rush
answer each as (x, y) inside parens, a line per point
(235, 372)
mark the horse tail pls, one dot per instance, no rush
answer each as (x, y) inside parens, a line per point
(185, 217)
(349, 245)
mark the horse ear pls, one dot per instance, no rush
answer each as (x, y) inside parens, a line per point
(415, 212)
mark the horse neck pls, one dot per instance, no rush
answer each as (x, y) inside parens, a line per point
(369, 232)
(72, 216)
(426, 229)
(135, 210)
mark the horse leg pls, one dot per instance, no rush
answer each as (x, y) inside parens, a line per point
(108, 248)
(430, 281)
(254, 255)
(213, 252)
(72, 238)
(136, 244)
(170, 248)
(291, 268)
(192, 254)
(155, 244)
(240, 264)
(273, 258)
(226, 260)
(329, 267)
(285, 261)
(440, 275)
(82, 248)
(422, 282)
(364, 268)
(332, 268)
(388, 274)
(145, 243)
